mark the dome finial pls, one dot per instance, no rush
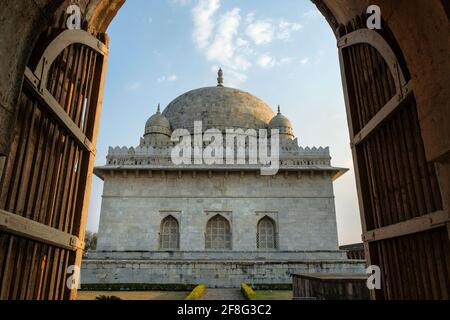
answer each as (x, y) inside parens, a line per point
(279, 109)
(158, 111)
(220, 78)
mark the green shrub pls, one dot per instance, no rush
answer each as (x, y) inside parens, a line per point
(196, 293)
(248, 291)
(137, 286)
(271, 286)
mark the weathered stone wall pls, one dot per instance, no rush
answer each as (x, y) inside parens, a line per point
(302, 207)
(225, 274)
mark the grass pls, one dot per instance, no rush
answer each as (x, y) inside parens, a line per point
(273, 294)
(134, 295)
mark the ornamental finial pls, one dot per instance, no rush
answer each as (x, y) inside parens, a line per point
(158, 111)
(279, 109)
(220, 78)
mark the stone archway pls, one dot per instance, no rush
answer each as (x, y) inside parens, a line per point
(421, 30)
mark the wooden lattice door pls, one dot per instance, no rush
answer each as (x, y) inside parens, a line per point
(405, 229)
(45, 181)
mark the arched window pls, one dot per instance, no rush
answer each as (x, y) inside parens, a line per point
(169, 234)
(218, 234)
(266, 235)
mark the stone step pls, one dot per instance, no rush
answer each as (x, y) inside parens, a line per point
(222, 294)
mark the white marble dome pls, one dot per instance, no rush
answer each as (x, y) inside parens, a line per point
(158, 124)
(283, 124)
(218, 107)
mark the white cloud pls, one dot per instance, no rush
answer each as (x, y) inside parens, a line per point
(227, 49)
(170, 78)
(236, 77)
(241, 63)
(244, 46)
(304, 60)
(260, 32)
(203, 24)
(267, 61)
(240, 42)
(286, 28)
(232, 40)
(134, 86)
(223, 48)
(250, 17)
(263, 31)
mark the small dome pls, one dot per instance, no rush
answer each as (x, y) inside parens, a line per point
(158, 124)
(282, 123)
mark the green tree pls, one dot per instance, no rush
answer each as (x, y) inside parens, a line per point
(90, 241)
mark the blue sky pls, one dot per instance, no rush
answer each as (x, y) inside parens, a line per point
(281, 51)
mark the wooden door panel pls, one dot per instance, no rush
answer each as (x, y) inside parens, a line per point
(404, 226)
(45, 180)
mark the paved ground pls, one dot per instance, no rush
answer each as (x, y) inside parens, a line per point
(222, 294)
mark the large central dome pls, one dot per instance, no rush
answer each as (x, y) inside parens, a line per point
(218, 107)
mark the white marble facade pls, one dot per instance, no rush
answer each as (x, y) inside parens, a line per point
(300, 204)
(286, 217)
